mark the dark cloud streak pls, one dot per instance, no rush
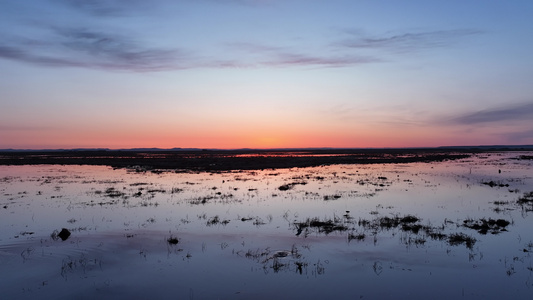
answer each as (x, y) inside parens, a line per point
(514, 113)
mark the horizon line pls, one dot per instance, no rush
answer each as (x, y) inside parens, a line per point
(260, 149)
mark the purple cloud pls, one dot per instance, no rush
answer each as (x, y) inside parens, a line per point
(522, 112)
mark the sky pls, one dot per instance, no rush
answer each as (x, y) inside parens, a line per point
(265, 73)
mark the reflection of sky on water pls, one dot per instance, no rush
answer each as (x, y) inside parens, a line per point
(120, 221)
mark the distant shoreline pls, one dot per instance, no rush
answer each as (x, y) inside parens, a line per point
(228, 160)
(465, 147)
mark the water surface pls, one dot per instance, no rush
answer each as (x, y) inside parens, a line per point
(424, 230)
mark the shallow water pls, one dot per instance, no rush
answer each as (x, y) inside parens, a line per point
(345, 231)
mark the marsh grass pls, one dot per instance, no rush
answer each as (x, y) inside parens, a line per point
(456, 239)
(278, 261)
(526, 198)
(356, 236)
(326, 226)
(113, 193)
(216, 221)
(495, 184)
(387, 223)
(416, 233)
(483, 226)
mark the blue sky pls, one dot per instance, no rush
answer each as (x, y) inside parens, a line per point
(265, 73)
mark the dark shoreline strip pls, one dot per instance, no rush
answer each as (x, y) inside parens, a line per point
(221, 160)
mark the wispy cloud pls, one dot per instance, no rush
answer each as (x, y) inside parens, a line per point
(20, 54)
(254, 48)
(74, 47)
(510, 124)
(107, 8)
(85, 47)
(121, 52)
(406, 41)
(241, 2)
(296, 59)
(521, 112)
(272, 56)
(114, 8)
(90, 49)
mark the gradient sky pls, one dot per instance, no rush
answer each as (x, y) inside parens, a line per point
(265, 73)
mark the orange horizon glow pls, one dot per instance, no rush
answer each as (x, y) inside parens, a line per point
(302, 133)
(263, 140)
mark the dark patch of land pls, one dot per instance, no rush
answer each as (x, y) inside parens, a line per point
(224, 160)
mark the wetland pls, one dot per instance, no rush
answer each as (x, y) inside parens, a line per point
(262, 225)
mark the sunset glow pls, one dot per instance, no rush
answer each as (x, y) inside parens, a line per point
(264, 74)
